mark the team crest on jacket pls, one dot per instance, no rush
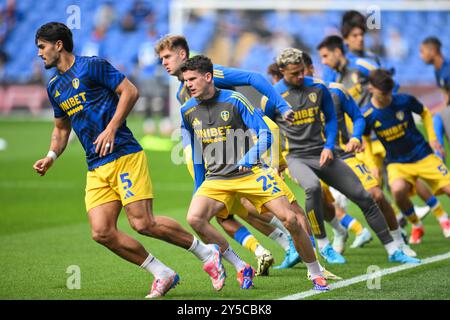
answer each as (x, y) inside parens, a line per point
(225, 115)
(313, 97)
(400, 115)
(76, 83)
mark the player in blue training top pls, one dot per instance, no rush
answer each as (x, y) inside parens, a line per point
(92, 97)
(173, 50)
(430, 52)
(408, 154)
(353, 30)
(353, 74)
(441, 121)
(351, 120)
(223, 127)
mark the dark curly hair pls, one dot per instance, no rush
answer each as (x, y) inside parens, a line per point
(54, 31)
(198, 63)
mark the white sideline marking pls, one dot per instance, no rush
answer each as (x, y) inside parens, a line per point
(365, 277)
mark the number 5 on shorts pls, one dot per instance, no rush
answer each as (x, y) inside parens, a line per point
(124, 179)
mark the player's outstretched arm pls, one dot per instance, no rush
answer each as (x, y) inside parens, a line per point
(226, 76)
(359, 124)
(253, 119)
(417, 107)
(427, 119)
(439, 130)
(58, 143)
(129, 94)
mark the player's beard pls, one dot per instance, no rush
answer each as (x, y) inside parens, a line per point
(338, 66)
(52, 62)
(297, 83)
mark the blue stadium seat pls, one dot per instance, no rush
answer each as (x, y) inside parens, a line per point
(122, 47)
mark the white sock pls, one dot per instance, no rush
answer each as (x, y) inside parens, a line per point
(322, 243)
(281, 238)
(337, 226)
(278, 224)
(314, 269)
(322, 269)
(200, 250)
(397, 236)
(232, 257)
(391, 247)
(259, 251)
(156, 267)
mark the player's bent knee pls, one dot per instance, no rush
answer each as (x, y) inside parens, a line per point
(297, 209)
(220, 221)
(226, 221)
(143, 226)
(399, 188)
(446, 190)
(376, 194)
(195, 221)
(290, 221)
(103, 236)
(314, 188)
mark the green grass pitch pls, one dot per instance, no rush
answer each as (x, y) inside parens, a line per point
(44, 230)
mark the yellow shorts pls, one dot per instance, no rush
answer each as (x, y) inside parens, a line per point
(431, 169)
(377, 159)
(237, 207)
(326, 192)
(259, 188)
(378, 152)
(362, 172)
(125, 179)
(288, 192)
(378, 149)
(242, 212)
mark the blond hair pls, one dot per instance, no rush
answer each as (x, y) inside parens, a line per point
(172, 42)
(290, 56)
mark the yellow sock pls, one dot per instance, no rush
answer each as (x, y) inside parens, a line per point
(350, 223)
(251, 243)
(356, 227)
(413, 219)
(438, 211)
(396, 209)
